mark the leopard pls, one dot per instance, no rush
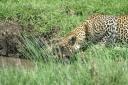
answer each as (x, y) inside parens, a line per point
(96, 28)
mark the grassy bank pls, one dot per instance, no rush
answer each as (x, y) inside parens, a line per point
(103, 66)
(100, 68)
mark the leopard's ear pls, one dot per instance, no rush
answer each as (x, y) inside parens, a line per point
(72, 40)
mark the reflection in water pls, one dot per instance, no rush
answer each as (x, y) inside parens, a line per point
(15, 62)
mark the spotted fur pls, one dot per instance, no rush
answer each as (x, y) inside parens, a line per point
(96, 28)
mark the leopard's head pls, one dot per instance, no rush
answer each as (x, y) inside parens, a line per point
(72, 42)
(66, 47)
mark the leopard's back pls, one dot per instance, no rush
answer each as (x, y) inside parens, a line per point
(103, 25)
(122, 25)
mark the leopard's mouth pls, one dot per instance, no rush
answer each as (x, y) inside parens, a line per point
(62, 52)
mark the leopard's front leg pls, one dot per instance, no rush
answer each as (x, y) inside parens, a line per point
(110, 38)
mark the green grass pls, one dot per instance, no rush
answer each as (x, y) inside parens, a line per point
(102, 66)
(44, 14)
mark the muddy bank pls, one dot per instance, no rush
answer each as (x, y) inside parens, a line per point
(12, 41)
(9, 38)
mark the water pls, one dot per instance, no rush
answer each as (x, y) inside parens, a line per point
(15, 62)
